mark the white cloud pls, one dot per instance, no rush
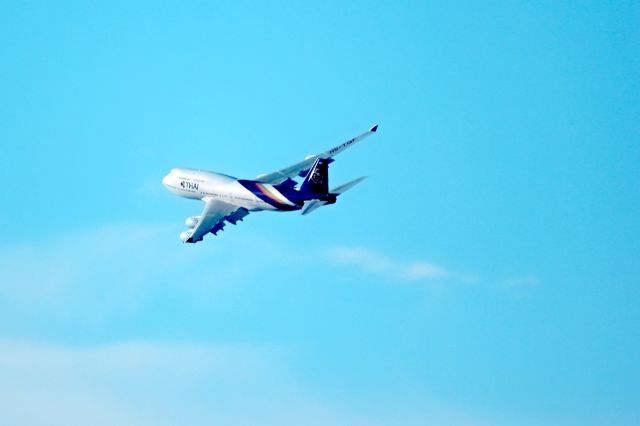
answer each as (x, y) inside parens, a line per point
(134, 383)
(112, 270)
(114, 264)
(100, 275)
(373, 262)
(170, 383)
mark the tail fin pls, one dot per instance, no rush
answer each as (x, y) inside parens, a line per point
(317, 180)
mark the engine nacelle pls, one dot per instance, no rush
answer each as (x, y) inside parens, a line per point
(192, 221)
(184, 236)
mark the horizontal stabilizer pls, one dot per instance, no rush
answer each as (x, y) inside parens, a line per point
(311, 205)
(346, 186)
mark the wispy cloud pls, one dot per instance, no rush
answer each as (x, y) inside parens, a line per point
(101, 275)
(51, 270)
(169, 383)
(110, 271)
(137, 383)
(373, 262)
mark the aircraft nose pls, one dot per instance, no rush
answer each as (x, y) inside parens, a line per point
(166, 180)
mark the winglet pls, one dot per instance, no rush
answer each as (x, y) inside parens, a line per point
(374, 128)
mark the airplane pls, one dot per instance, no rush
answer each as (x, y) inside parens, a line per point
(227, 199)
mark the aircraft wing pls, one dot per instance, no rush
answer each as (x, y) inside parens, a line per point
(212, 218)
(301, 168)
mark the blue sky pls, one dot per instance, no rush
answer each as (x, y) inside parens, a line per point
(485, 274)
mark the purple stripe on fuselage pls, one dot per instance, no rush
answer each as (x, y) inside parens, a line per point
(259, 191)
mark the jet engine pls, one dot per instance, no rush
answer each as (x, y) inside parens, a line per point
(184, 236)
(192, 221)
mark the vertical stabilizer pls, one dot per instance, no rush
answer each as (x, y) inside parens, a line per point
(317, 180)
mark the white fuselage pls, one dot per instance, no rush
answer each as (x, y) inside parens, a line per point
(229, 200)
(201, 184)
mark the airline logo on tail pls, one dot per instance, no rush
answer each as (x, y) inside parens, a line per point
(317, 180)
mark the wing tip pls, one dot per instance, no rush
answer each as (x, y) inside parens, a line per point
(374, 128)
